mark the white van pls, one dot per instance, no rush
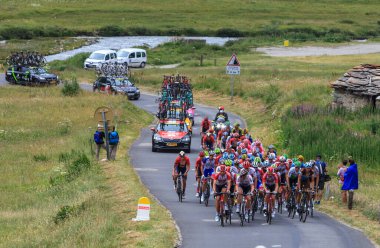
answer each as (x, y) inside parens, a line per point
(134, 57)
(99, 57)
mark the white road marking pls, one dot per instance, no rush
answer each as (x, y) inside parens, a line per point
(146, 169)
(208, 220)
(145, 144)
(276, 245)
(264, 224)
(260, 246)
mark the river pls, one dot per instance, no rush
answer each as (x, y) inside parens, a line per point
(130, 41)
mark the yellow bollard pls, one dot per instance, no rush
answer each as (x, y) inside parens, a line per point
(286, 43)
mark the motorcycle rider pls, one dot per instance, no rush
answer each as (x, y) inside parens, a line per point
(221, 113)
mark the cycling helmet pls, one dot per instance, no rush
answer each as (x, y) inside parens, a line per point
(231, 156)
(211, 153)
(312, 162)
(266, 164)
(257, 160)
(272, 156)
(297, 164)
(217, 150)
(201, 154)
(243, 172)
(221, 108)
(236, 124)
(282, 159)
(206, 153)
(228, 162)
(274, 166)
(308, 165)
(222, 168)
(244, 156)
(270, 169)
(225, 155)
(285, 155)
(246, 164)
(208, 134)
(182, 153)
(244, 151)
(300, 157)
(221, 161)
(255, 164)
(271, 147)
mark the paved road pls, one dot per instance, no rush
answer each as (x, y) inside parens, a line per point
(353, 49)
(196, 221)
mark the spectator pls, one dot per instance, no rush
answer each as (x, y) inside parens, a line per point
(351, 181)
(113, 142)
(321, 165)
(99, 140)
(341, 170)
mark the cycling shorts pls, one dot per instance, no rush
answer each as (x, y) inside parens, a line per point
(259, 184)
(246, 189)
(181, 170)
(220, 187)
(198, 172)
(208, 172)
(271, 188)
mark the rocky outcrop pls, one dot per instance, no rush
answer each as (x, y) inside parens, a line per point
(359, 87)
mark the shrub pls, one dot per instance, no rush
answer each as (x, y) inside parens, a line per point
(40, 158)
(111, 30)
(229, 32)
(71, 88)
(75, 168)
(66, 212)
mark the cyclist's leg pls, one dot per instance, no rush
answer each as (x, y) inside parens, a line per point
(183, 171)
(239, 199)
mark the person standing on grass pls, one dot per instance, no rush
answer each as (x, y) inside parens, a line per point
(321, 165)
(341, 170)
(99, 140)
(113, 142)
(351, 181)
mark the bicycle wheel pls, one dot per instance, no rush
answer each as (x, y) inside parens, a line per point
(254, 207)
(179, 189)
(242, 213)
(306, 208)
(311, 208)
(200, 195)
(207, 195)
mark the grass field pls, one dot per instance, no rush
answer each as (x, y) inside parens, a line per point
(53, 193)
(335, 20)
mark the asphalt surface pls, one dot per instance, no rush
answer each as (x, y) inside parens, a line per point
(196, 222)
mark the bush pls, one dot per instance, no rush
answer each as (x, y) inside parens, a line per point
(40, 158)
(66, 212)
(71, 88)
(111, 30)
(229, 32)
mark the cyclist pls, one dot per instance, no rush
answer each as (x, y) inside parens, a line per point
(321, 165)
(282, 172)
(292, 180)
(208, 141)
(206, 124)
(208, 165)
(237, 129)
(251, 171)
(271, 158)
(305, 181)
(218, 155)
(244, 185)
(181, 166)
(221, 113)
(270, 184)
(271, 149)
(222, 138)
(198, 171)
(222, 184)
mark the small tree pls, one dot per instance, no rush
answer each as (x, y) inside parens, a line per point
(71, 88)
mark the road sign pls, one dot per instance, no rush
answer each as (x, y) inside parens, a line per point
(233, 66)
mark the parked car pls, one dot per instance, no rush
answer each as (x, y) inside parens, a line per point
(32, 76)
(116, 86)
(171, 135)
(134, 57)
(99, 57)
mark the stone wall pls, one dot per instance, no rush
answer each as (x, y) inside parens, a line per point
(343, 98)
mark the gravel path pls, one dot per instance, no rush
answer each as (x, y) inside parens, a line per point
(320, 51)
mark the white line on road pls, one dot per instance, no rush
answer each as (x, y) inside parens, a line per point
(145, 144)
(260, 246)
(208, 220)
(146, 169)
(276, 245)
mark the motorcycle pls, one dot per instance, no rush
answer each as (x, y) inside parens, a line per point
(190, 114)
(220, 124)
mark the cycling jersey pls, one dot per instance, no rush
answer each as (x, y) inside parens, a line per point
(306, 178)
(221, 179)
(252, 172)
(198, 167)
(281, 169)
(208, 163)
(182, 163)
(293, 176)
(270, 181)
(244, 181)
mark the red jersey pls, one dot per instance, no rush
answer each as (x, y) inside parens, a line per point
(270, 179)
(198, 163)
(221, 179)
(179, 163)
(208, 139)
(217, 159)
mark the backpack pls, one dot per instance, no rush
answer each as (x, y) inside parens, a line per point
(113, 138)
(98, 137)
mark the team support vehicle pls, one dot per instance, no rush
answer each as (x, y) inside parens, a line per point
(171, 135)
(116, 85)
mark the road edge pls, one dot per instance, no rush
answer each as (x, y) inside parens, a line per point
(179, 239)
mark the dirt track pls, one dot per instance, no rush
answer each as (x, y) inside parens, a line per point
(320, 51)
